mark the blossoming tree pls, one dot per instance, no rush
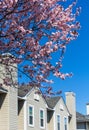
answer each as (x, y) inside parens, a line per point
(33, 31)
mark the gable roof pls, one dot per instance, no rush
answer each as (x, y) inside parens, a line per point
(82, 118)
(52, 101)
(24, 90)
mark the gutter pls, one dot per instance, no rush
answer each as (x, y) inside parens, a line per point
(22, 98)
(51, 109)
(3, 91)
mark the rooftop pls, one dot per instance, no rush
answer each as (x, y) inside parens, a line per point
(23, 90)
(52, 101)
(82, 118)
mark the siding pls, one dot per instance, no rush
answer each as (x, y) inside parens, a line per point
(13, 109)
(8, 110)
(8, 102)
(4, 113)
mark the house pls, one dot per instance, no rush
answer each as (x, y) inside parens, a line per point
(36, 112)
(33, 112)
(31, 109)
(83, 120)
(24, 109)
(57, 114)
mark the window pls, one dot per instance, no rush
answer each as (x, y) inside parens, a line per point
(31, 115)
(58, 122)
(65, 123)
(42, 118)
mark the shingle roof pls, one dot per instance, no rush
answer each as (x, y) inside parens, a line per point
(23, 90)
(52, 101)
(82, 118)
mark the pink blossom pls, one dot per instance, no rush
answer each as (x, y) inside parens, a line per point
(34, 31)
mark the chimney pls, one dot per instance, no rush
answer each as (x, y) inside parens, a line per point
(8, 101)
(87, 108)
(8, 69)
(71, 105)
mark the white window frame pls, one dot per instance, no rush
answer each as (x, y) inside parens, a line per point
(32, 125)
(42, 127)
(57, 121)
(66, 122)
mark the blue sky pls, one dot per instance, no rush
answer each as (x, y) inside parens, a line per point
(76, 60)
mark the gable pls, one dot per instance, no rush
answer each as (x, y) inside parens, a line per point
(57, 103)
(34, 98)
(61, 107)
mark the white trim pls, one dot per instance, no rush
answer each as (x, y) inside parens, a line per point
(41, 109)
(64, 122)
(22, 98)
(25, 116)
(46, 119)
(29, 92)
(57, 121)
(33, 115)
(54, 120)
(3, 91)
(51, 109)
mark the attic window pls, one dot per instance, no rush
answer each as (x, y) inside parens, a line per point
(61, 107)
(36, 97)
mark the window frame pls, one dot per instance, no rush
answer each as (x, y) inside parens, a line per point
(42, 127)
(58, 121)
(31, 125)
(66, 123)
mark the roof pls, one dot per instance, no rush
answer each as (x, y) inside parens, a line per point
(82, 118)
(24, 90)
(3, 90)
(52, 101)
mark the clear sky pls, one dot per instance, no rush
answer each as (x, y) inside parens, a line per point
(76, 60)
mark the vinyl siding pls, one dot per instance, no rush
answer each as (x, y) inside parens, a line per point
(9, 106)
(4, 113)
(8, 110)
(13, 109)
